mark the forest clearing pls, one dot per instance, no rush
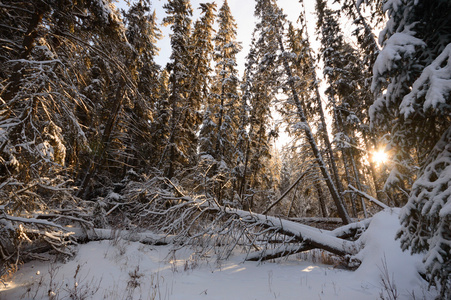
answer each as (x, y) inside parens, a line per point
(124, 179)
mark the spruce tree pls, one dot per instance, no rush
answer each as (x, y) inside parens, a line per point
(201, 49)
(262, 73)
(142, 34)
(303, 80)
(160, 125)
(242, 151)
(341, 72)
(221, 123)
(225, 84)
(45, 119)
(414, 109)
(276, 18)
(176, 154)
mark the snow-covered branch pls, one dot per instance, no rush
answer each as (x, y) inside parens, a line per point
(369, 197)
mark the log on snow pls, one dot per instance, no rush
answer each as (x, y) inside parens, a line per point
(279, 252)
(343, 232)
(323, 239)
(97, 234)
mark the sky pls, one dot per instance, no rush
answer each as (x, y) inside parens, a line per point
(243, 12)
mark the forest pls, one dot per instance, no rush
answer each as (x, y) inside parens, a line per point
(97, 138)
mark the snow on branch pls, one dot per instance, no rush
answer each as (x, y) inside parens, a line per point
(317, 237)
(372, 199)
(434, 85)
(399, 45)
(426, 218)
(194, 219)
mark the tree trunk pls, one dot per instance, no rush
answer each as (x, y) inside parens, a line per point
(326, 139)
(345, 154)
(100, 156)
(285, 193)
(322, 200)
(342, 212)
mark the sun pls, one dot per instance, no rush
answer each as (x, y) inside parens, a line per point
(380, 157)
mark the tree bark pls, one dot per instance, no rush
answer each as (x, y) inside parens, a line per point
(342, 212)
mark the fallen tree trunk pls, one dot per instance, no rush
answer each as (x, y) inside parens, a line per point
(268, 254)
(97, 234)
(318, 238)
(203, 222)
(352, 230)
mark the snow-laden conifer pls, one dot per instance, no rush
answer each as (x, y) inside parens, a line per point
(414, 109)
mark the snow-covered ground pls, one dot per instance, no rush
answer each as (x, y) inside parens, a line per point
(130, 270)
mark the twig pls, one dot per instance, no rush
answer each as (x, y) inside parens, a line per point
(284, 194)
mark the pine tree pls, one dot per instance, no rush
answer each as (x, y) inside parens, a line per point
(225, 84)
(368, 51)
(262, 75)
(243, 142)
(303, 79)
(277, 18)
(201, 49)
(160, 125)
(201, 79)
(113, 87)
(415, 108)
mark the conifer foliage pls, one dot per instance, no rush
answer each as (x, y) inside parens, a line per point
(415, 65)
(177, 149)
(218, 134)
(90, 125)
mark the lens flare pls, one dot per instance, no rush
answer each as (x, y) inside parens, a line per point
(380, 157)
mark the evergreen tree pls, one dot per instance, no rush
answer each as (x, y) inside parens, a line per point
(112, 85)
(160, 125)
(262, 72)
(243, 143)
(142, 34)
(221, 115)
(201, 79)
(277, 19)
(176, 154)
(303, 79)
(45, 113)
(201, 49)
(414, 109)
(225, 84)
(341, 74)
(368, 51)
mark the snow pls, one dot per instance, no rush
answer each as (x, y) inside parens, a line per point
(307, 233)
(434, 84)
(399, 45)
(382, 249)
(119, 269)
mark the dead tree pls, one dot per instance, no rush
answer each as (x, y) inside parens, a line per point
(200, 221)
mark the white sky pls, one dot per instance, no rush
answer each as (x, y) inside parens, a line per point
(243, 12)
